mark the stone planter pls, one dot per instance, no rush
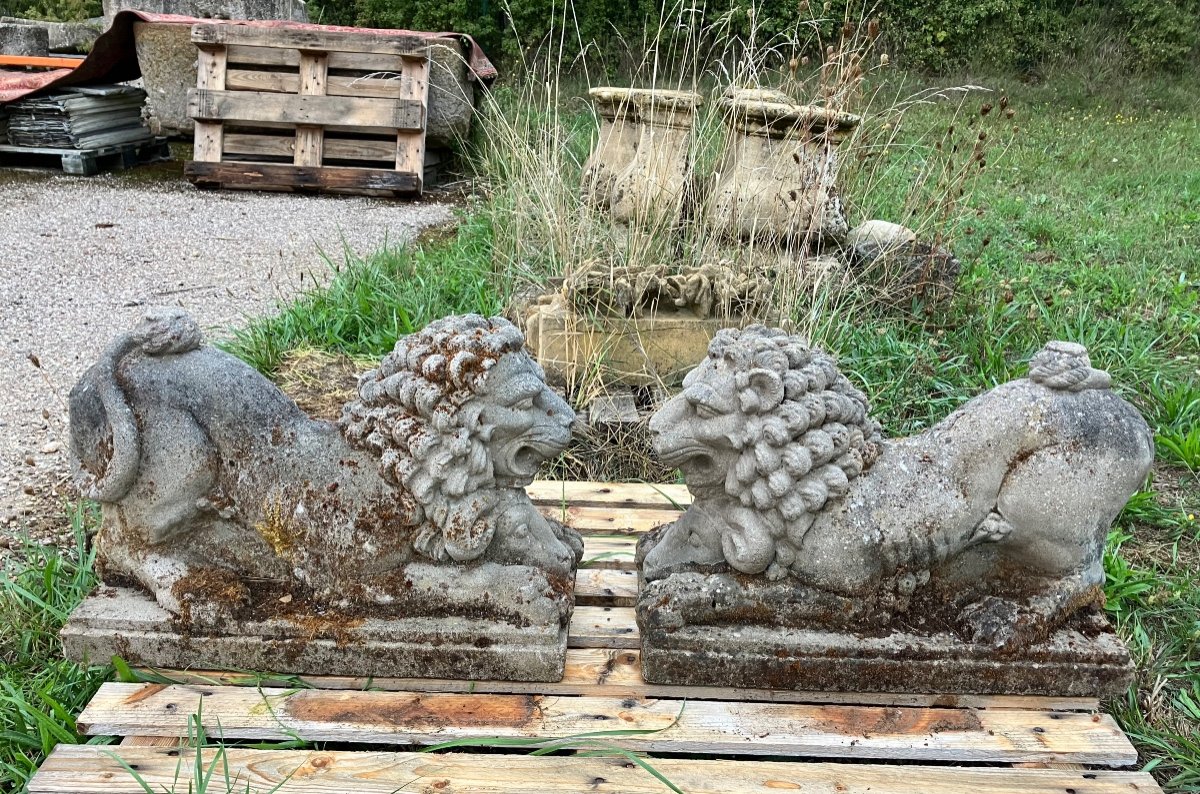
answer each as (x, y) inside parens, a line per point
(635, 351)
(778, 181)
(651, 189)
(167, 59)
(616, 143)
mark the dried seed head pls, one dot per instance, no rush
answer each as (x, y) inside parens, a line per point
(1003, 103)
(872, 30)
(1008, 114)
(986, 109)
(883, 59)
(848, 29)
(804, 61)
(793, 65)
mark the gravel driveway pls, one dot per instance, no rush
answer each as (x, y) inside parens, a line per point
(83, 257)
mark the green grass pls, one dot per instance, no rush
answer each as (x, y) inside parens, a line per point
(40, 692)
(368, 304)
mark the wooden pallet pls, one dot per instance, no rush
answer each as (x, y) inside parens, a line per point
(86, 162)
(322, 110)
(762, 740)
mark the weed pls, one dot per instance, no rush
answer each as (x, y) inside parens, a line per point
(40, 692)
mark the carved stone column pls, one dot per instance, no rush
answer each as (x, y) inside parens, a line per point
(615, 145)
(651, 189)
(778, 181)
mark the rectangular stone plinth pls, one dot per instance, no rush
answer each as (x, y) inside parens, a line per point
(117, 621)
(1072, 663)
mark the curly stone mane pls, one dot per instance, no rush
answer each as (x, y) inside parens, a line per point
(799, 455)
(417, 412)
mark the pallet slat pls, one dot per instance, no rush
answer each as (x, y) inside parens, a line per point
(288, 177)
(617, 673)
(93, 770)
(349, 61)
(247, 107)
(337, 85)
(611, 520)
(285, 146)
(604, 494)
(823, 731)
(208, 36)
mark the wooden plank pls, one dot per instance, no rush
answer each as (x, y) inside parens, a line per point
(86, 769)
(609, 551)
(310, 139)
(336, 85)
(603, 627)
(209, 139)
(410, 144)
(285, 146)
(608, 494)
(349, 61)
(210, 35)
(606, 587)
(617, 673)
(262, 106)
(152, 741)
(264, 175)
(610, 520)
(824, 731)
(40, 60)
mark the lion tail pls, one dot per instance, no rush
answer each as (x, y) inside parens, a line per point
(1066, 366)
(104, 438)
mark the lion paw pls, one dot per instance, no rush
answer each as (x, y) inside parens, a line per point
(1001, 624)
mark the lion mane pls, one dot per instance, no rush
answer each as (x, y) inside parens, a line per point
(796, 457)
(416, 412)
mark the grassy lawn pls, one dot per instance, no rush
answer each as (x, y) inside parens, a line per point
(1085, 228)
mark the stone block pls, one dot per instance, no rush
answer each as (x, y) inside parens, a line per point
(63, 36)
(21, 39)
(118, 621)
(1084, 659)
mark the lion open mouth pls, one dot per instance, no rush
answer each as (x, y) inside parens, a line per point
(695, 461)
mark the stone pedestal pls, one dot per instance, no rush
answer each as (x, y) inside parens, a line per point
(650, 191)
(732, 648)
(446, 626)
(616, 144)
(778, 179)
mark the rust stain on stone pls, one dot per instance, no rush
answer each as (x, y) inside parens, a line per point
(900, 721)
(422, 712)
(147, 691)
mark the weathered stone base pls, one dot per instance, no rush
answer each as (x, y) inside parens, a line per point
(118, 621)
(1069, 663)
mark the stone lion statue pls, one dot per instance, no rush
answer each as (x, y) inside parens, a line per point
(212, 481)
(998, 514)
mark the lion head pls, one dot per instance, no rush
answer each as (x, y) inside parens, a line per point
(771, 432)
(461, 418)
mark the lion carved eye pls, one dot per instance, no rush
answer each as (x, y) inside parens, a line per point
(705, 411)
